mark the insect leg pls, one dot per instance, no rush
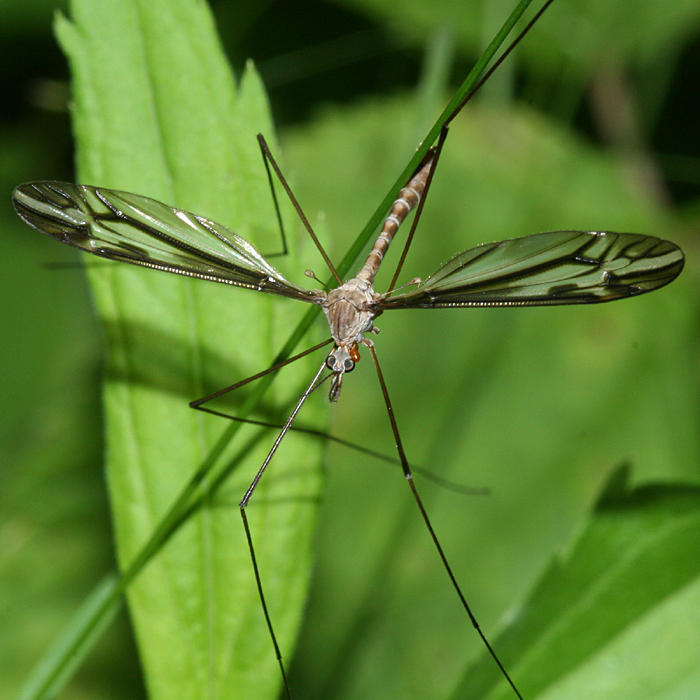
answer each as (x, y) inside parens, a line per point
(244, 502)
(477, 86)
(409, 477)
(268, 157)
(435, 152)
(278, 214)
(453, 486)
(197, 403)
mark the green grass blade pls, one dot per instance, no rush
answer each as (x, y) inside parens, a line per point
(66, 653)
(430, 138)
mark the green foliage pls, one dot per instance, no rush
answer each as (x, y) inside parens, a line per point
(579, 30)
(535, 404)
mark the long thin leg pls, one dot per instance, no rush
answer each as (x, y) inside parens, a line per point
(499, 60)
(197, 403)
(278, 214)
(280, 437)
(424, 514)
(443, 135)
(244, 502)
(268, 155)
(321, 434)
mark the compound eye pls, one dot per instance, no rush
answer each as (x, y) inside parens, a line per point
(330, 362)
(349, 365)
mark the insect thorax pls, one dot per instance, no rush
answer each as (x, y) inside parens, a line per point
(350, 312)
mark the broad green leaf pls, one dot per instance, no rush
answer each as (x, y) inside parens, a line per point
(157, 112)
(616, 615)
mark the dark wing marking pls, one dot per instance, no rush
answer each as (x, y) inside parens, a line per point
(142, 231)
(559, 267)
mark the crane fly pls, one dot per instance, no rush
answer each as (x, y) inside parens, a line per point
(543, 269)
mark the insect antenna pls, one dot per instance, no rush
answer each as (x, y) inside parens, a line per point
(312, 275)
(269, 157)
(409, 477)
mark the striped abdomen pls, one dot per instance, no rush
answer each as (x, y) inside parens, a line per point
(408, 198)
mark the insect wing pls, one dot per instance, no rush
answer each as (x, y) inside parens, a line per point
(142, 231)
(559, 267)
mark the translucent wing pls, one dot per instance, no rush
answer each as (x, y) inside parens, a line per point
(560, 267)
(142, 231)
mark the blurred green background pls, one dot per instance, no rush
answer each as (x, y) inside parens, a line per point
(592, 125)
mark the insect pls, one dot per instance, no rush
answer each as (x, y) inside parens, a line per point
(560, 267)
(564, 267)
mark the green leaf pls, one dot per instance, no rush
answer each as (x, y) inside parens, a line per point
(157, 112)
(617, 615)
